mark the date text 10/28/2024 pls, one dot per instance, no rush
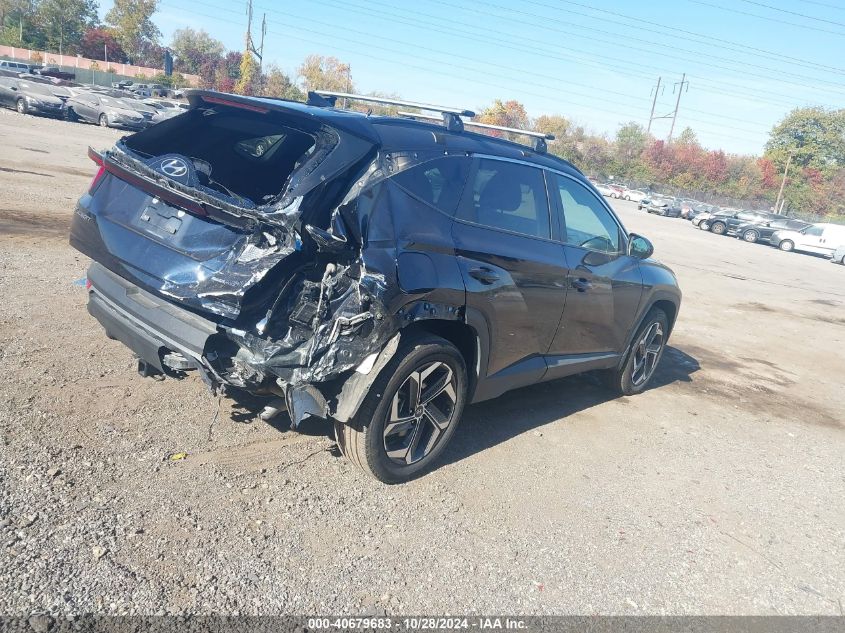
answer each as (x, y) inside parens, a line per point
(418, 623)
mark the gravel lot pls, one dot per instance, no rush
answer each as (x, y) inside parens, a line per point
(719, 490)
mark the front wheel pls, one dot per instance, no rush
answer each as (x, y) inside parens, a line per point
(643, 357)
(786, 245)
(410, 413)
(104, 120)
(22, 107)
(718, 228)
(750, 236)
(628, 198)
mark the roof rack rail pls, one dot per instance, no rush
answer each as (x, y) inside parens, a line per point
(539, 138)
(450, 117)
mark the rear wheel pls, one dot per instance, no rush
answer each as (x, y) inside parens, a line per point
(718, 228)
(628, 198)
(104, 120)
(786, 245)
(751, 236)
(410, 412)
(643, 357)
(21, 106)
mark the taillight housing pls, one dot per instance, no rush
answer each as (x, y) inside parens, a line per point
(101, 171)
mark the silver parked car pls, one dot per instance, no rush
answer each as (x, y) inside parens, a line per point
(108, 111)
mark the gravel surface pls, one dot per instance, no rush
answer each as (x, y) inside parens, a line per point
(719, 490)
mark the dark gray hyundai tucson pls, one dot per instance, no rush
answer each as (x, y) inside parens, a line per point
(378, 271)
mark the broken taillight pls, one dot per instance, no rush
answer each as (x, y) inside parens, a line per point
(101, 171)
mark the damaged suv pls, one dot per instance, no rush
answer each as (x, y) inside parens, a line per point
(381, 272)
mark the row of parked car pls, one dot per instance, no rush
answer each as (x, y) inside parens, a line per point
(787, 234)
(107, 107)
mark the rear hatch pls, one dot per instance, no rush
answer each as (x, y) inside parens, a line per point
(205, 207)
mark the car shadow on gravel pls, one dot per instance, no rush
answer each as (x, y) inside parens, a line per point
(489, 423)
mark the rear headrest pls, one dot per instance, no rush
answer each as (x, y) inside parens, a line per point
(501, 192)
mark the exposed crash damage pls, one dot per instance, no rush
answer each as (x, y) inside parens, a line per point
(376, 271)
(332, 308)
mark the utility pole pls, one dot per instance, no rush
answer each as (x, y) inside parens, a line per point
(261, 48)
(653, 104)
(677, 103)
(782, 183)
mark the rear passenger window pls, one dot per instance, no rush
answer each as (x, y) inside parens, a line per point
(437, 182)
(507, 196)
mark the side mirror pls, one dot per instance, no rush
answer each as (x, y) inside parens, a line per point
(639, 247)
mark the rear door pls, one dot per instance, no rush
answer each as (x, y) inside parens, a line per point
(604, 283)
(514, 272)
(832, 238)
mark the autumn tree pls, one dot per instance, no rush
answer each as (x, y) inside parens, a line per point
(325, 73)
(275, 83)
(505, 113)
(99, 41)
(134, 27)
(193, 48)
(248, 77)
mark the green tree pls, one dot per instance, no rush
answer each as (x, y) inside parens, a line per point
(815, 137)
(631, 141)
(64, 22)
(688, 137)
(275, 83)
(325, 73)
(193, 48)
(134, 28)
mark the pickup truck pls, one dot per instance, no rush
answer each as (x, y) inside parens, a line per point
(54, 71)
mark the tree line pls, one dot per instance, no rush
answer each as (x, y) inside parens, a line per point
(811, 140)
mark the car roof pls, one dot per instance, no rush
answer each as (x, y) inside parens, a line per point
(396, 134)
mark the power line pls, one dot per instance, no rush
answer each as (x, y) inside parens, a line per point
(824, 4)
(802, 15)
(619, 64)
(764, 17)
(544, 96)
(674, 30)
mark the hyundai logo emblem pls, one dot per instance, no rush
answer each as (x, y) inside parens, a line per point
(174, 167)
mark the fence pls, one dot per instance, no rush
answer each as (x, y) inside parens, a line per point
(86, 70)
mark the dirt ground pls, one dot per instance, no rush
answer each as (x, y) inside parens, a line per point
(719, 490)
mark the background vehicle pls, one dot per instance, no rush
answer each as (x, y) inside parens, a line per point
(480, 271)
(109, 111)
(726, 224)
(615, 190)
(634, 195)
(820, 239)
(14, 68)
(30, 97)
(605, 190)
(53, 71)
(667, 207)
(762, 231)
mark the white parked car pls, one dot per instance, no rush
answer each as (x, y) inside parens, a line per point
(604, 190)
(634, 195)
(822, 239)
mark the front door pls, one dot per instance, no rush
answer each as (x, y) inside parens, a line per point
(514, 273)
(605, 284)
(810, 240)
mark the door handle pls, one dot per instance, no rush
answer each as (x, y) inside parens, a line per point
(581, 284)
(484, 275)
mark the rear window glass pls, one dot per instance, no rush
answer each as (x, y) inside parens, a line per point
(438, 182)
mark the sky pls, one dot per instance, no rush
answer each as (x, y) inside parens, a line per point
(747, 62)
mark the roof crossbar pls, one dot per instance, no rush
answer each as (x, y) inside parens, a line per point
(450, 117)
(539, 138)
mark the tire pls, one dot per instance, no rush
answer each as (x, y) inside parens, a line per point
(751, 236)
(21, 106)
(718, 228)
(628, 198)
(631, 380)
(366, 439)
(786, 245)
(70, 115)
(103, 120)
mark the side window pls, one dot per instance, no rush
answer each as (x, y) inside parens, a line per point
(507, 196)
(437, 182)
(586, 222)
(814, 231)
